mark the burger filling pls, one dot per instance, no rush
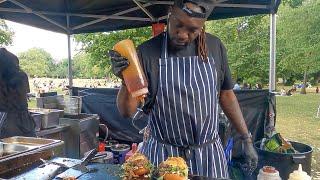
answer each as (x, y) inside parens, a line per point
(137, 166)
(168, 169)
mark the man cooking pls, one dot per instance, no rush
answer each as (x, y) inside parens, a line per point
(15, 120)
(188, 76)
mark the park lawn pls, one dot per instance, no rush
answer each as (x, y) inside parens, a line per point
(32, 103)
(296, 120)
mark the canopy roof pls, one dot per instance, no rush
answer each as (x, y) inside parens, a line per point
(84, 16)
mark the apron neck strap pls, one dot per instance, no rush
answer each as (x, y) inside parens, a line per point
(164, 48)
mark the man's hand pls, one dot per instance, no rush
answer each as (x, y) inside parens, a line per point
(230, 107)
(250, 156)
(118, 63)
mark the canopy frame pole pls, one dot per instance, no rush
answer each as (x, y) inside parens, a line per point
(251, 6)
(218, 4)
(29, 10)
(272, 71)
(221, 4)
(70, 73)
(152, 18)
(105, 18)
(74, 14)
(219, 1)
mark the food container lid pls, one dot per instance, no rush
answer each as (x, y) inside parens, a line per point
(109, 143)
(120, 147)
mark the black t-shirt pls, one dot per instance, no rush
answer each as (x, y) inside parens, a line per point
(150, 51)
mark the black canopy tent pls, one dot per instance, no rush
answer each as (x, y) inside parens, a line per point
(87, 16)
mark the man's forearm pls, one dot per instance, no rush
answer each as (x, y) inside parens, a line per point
(231, 108)
(127, 105)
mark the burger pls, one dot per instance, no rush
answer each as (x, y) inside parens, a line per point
(137, 167)
(174, 168)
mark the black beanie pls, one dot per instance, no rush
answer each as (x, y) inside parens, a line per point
(205, 5)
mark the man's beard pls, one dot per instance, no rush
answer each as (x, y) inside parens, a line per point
(175, 46)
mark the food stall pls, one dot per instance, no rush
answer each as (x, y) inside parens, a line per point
(73, 17)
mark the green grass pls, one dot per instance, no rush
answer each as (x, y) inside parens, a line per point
(296, 120)
(32, 103)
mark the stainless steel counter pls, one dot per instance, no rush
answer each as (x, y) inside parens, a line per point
(57, 129)
(82, 134)
(61, 132)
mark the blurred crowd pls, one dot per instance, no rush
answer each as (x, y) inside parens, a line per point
(44, 85)
(246, 86)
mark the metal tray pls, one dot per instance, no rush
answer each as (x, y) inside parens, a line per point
(23, 152)
(30, 141)
(37, 117)
(50, 117)
(7, 150)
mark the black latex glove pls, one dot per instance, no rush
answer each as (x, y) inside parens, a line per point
(250, 156)
(118, 63)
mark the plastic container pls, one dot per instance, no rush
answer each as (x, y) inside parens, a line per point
(268, 173)
(299, 174)
(110, 143)
(101, 147)
(133, 76)
(119, 152)
(285, 163)
(134, 148)
(71, 104)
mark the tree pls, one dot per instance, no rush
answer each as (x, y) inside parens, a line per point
(61, 69)
(37, 62)
(293, 3)
(246, 39)
(5, 34)
(299, 40)
(82, 65)
(97, 45)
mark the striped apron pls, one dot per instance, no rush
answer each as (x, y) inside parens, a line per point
(184, 118)
(3, 116)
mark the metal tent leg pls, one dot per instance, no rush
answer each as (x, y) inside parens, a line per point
(272, 71)
(70, 77)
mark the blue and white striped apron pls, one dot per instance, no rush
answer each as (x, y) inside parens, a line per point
(185, 115)
(3, 116)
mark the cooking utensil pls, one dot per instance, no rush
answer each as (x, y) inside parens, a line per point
(1, 149)
(79, 169)
(103, 157)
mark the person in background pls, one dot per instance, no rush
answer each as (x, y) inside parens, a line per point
(283, 92)
(294, 88)
(289, 93)
(236, 86)
(15, 120)
(317, 89)
(245, 86)
(258, 86)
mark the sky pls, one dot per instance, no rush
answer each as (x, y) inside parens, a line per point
(26, 37)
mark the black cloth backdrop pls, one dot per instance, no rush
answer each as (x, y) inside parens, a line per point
(256, 106)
